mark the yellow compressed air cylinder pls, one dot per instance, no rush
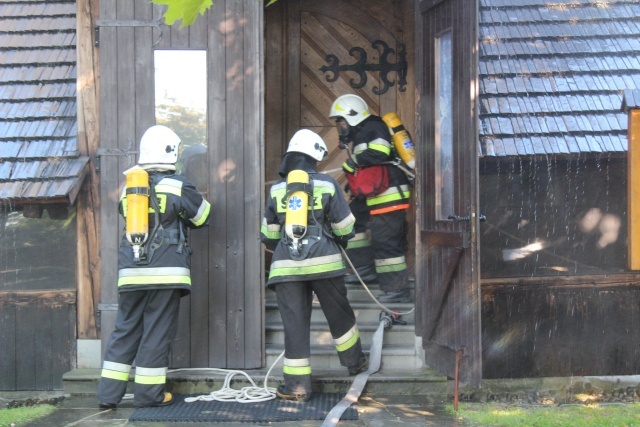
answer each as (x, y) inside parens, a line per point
(137, 219)
(401, 140)
(297, 207)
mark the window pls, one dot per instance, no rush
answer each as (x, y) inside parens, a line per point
(37, 253)
(444, 128)
(553, 216)
(181, 105)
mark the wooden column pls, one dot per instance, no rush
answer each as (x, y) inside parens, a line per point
(633, 188)
(88, 264)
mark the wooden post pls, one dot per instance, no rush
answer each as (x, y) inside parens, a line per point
(633, 188)
(88, 264)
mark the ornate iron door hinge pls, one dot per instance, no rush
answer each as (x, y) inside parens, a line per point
(126, 23)
(129, 153)
(361, 67)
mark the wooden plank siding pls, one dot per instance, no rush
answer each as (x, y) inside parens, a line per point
(109, 170)
(34, 356)
(560, 326)
(221, 323)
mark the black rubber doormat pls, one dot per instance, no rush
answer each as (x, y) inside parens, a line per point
(275, 410)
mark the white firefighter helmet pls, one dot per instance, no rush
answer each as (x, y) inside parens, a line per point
(308, 142)
(350, 107)
(159, 145)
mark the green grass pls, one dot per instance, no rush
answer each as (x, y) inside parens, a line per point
(503, 415)
(24, 414)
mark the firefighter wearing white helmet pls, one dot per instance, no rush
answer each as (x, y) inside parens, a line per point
(150, 287)
(159, 146)
(310, 261)
(378, 248)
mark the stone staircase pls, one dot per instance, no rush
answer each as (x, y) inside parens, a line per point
(400, 351)
(402, 366)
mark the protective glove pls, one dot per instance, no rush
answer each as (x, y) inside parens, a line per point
(342, 242)
(349, 166)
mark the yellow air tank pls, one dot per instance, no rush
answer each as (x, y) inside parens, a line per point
(297, 209)
(137, 219)
(401, 140)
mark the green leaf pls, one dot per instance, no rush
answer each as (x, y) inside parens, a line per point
(187, 10)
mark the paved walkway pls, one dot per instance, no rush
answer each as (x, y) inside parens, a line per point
(389, 411)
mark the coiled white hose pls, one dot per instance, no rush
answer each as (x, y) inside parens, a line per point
(248, 394)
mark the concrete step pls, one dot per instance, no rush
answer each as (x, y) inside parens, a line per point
(355, 292)
(394, 357)
(423, 381)
(320, 335)
(365, 312)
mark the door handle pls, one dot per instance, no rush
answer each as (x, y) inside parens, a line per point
(457, 218)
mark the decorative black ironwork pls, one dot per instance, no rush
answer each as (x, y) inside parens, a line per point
(361, 67)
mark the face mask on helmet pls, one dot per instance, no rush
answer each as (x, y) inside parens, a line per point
(345, 132)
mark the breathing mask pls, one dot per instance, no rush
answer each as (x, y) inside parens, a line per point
(345, 132)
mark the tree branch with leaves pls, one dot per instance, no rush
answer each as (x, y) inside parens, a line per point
(187, 10)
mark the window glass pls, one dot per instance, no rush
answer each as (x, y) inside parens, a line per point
(181, 105)
(553, 217)
(444, 128)
(37, 253)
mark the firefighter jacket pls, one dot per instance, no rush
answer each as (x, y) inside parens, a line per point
(372, 145)
(328, 209)
(179, 206)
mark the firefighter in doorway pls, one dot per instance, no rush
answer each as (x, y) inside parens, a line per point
(379, 246)
(152, 280)
(306, 218)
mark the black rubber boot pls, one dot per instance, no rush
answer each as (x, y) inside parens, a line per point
(367, 274)
(361, 366)
(396, 296)
(102, 405)
(282, 393)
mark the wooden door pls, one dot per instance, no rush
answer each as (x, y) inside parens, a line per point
(300, 37)
(448, 185)
(221, 324)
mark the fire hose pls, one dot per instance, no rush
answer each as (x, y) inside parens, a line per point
(254, 393)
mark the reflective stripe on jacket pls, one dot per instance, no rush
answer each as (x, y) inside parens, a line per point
(329, 210)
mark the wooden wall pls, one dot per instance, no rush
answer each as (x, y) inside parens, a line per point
(221, 323)
(561, 327)
(37, 336)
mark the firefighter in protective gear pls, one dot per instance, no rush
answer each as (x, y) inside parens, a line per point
(321, 271)
(381, 224)
(149, 290)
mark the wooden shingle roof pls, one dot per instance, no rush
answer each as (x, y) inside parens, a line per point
(552, 75)
(39, 158)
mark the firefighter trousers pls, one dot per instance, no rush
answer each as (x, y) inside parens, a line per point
(359, 249)
(384, 250)
(146, 324)
(389, 244)
(295, 301)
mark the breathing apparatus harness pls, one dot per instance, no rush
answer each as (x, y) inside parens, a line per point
(174, 235)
